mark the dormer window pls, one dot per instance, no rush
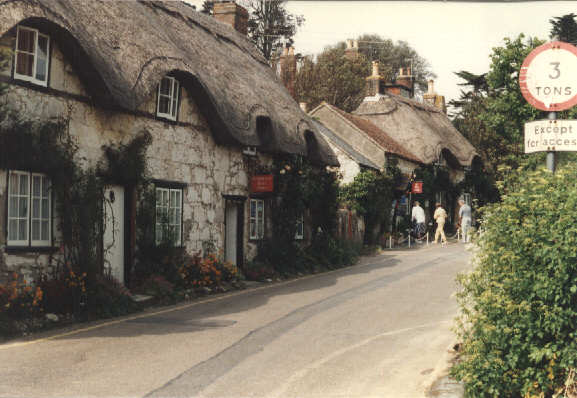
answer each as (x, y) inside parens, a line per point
(168, 96)
(31, 60)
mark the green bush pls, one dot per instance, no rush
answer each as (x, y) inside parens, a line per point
(519, 304)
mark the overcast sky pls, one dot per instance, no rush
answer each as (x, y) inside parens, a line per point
(452, 36)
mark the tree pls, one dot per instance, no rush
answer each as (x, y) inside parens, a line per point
(564, 28)
(492, 113)
(207, 7)
(332, 78)
(392, 56)
(270, 25)
(340, 80)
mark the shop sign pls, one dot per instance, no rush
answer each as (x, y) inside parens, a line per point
(417, 187)
(262, 183)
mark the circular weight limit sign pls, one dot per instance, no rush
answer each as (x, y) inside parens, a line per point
(548, 77)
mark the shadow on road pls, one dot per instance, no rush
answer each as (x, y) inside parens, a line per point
(202, 316)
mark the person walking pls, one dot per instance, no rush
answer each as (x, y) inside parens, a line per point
(465, 219)
(440, 217)
(418, 216)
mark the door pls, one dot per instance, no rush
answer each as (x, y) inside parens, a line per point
(113, 237)
(231, 235)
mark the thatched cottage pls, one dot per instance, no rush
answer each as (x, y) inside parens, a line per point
(389, 122)
(208, 99)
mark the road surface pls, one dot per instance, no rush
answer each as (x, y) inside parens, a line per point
(377, 329)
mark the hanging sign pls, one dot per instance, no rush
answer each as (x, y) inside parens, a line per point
(551, 135)
(417, 187)
(262, 183)
(548, 77)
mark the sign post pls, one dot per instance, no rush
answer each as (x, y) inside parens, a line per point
(548, 81)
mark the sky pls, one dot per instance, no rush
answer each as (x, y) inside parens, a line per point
(451, 36)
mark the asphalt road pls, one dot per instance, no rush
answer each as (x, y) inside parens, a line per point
(377, 329)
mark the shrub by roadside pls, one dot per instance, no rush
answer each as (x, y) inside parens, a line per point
(519, 305)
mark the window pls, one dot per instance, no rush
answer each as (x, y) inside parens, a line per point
(168, 216)
(256, 219)
(29, 209)
(441, 197)
(31, 56)
(467, 198)
(300, 228)
(168, 96)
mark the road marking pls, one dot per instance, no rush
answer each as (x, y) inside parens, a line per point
(317, 364)
(209, 300)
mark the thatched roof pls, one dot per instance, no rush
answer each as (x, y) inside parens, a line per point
(333, 138)
(424, 130)
(387, 143)
(121, 50)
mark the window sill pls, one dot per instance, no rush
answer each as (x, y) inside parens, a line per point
(30, 80)
(30, 249)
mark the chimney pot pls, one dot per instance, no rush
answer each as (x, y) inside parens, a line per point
(291, 51)
(375, 68)
(431, 87)
(356, 44)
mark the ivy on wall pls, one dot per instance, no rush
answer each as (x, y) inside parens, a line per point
(371, 194)
(47, 147)
(301, 189)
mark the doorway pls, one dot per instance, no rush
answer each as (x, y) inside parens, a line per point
(113, 236)
(233, 238)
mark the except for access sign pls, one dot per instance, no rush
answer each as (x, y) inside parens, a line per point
(551, 135)
(548, 77)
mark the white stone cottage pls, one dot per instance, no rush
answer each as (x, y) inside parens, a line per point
(210, 101)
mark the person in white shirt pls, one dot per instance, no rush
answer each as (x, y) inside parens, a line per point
(418, 216)
(440, 216)
(465, 219)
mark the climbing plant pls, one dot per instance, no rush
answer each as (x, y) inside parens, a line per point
(301, 190)
(47, 147)
(371, 194)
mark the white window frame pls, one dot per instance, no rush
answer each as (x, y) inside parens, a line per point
(467, 198)
(300, 228)
(173, 99)
(28, 241)
(256, 225)
(171, 210)
(32, 78)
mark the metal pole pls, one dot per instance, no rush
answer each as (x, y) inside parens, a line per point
(551, 154)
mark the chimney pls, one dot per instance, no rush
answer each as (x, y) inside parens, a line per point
(375, 82)
(352, 50)
(287, 69)
(433, 99)
(405, 78)
(303, 106)
(431, 87)
(232, 14)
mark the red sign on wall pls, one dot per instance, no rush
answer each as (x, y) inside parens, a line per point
(262, 183)
(417, 187)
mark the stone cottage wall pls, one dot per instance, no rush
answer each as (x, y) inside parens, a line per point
(185, 153)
